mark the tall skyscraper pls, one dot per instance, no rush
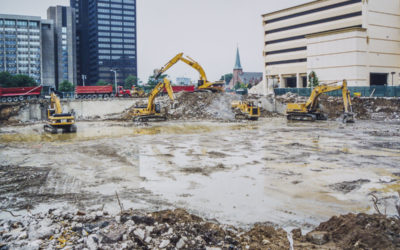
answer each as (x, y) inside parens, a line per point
(106, 38)
(65, 42)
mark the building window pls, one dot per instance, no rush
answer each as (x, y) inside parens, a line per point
(104, 33)
(116, 17)
(127, 12)
(116, 11)
(9, 22)
(103, 5)
(22, 23)
(104, 22)
(116, 40)
(129, 18)
(117, 28)
(100, 10)
(104, 45)
(129, 1)
(129, 24)
(33, 24)
(104, 39)
(104, 51)
(104, 28)
(118, 6)
(116, 34)
(116, 46)
(104, 16)
(116, 23)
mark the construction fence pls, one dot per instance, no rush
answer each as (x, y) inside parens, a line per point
(372, 91)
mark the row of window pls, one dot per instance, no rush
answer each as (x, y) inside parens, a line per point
(117, 23)
(13, 30)
(19, 23)
(116, 46)
(118, 1)
(114, 34)
(107, 51)
(116, 40)
(107, 28)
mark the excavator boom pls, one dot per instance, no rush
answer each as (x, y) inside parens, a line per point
(204, 84)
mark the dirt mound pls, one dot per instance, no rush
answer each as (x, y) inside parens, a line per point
(365, 108)
(362, 231)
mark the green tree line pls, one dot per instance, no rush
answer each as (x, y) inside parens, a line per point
(8, 81)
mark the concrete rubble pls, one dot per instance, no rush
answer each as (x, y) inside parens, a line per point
(177, 229)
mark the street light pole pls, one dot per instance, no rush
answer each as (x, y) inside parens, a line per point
(115, 78)
(83, 79)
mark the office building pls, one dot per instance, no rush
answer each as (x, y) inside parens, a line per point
(21, 46)
(106, 35)
(65, 43)
(357, 40)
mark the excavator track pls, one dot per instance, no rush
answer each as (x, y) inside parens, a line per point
(301, 117)
(150, 118)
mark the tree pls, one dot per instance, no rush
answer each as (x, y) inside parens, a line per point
(227, 78)
(23, 81)
(153, 82)
(66, 86)
(313, 80)
(6, 79)
(130, 81)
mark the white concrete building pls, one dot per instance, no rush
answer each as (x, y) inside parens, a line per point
(357, 40)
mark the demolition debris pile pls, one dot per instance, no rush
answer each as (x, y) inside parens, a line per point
(180, 230)
(365, 108)
(198, 106)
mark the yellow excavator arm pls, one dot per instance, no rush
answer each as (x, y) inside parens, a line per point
(157, 89)
(204, 83)
(55, 103)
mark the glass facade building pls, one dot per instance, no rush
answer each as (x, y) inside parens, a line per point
(20, 45)
(106, 38)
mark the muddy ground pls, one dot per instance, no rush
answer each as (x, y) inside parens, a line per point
(255, 176)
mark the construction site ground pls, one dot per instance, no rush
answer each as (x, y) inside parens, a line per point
(284, 175)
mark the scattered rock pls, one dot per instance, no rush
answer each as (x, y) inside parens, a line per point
(348, 186)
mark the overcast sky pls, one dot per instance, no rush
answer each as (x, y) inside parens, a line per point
(206, 30)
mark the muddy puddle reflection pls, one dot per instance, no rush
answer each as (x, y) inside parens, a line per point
(292, 174)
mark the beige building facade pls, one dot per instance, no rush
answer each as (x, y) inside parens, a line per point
(357, 40)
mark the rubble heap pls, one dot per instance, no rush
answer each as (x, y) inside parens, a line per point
(177, 229)
(365, 108)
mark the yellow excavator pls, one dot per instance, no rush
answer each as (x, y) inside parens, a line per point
(310, 111)
(245, 110)
(152, 111)
(203, 84)
(56, 119)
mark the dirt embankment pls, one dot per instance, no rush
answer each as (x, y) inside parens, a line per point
(365, 108)
(177, 229)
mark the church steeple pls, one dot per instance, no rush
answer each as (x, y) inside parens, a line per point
(237, 64)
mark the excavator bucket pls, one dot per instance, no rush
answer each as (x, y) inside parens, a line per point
(348, 118)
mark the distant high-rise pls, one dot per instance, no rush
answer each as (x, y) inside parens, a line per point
(65, 43)
(106, 39)
(22, 43)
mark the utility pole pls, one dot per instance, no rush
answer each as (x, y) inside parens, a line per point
(115, 78)
(83, 79)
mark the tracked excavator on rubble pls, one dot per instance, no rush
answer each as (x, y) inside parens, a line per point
(56, 119)
(203, 84)
(152, 111)
(245, 110)
(310, 110)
